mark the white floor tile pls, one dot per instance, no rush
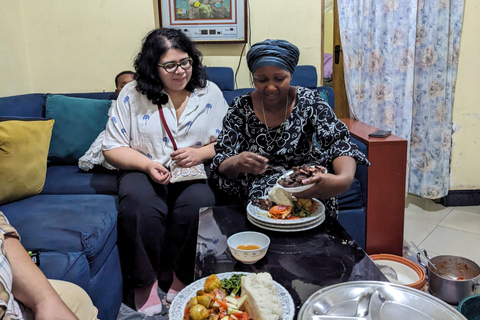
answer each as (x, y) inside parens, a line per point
(463, 218)
(425, 210)
(448, 241)
(416, 231)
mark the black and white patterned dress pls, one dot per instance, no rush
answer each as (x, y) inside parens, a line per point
(312, 134)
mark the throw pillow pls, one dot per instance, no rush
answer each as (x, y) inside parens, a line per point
(78, 121)
(23, 156)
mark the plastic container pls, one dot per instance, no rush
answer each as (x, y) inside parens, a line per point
(408, 272)
(470, 307)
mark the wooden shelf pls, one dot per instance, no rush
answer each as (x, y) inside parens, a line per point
(386, 181)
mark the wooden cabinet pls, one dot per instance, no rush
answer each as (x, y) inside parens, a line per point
(386, 188)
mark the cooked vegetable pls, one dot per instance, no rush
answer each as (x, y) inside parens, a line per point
(204, 300)
(199, 312)
(222, 303)
(212, 283)
(193, 301)
(233, 285)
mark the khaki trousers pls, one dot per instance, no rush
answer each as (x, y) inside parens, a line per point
(74, 297)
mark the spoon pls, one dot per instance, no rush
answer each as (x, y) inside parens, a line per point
(388, 271)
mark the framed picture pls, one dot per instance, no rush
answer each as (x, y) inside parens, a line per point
(206, 21)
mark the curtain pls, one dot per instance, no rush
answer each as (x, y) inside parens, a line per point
(400, 63)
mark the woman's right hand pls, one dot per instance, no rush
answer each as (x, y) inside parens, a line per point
(250, 162)
(158, 173)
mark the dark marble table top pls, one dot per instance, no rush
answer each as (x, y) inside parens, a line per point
(302, 262)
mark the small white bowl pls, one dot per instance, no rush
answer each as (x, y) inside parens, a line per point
(248, 238)
(293, 189)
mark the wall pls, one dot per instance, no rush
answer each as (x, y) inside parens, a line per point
(268, 20)
(14, 63)
(79, 46)
(69, 46)
(465, 167)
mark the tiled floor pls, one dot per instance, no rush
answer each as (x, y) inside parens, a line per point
(442, 230)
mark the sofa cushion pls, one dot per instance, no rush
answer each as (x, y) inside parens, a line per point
(221, 76)
(355, 222)
(78, 121)
(352, 198)
(25, 105)
(23, 156)
(66, 223)
(69, 179)
(305, 76)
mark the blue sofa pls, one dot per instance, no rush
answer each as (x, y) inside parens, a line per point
(72, 221)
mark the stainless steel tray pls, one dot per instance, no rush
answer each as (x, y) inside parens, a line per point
(375, 300)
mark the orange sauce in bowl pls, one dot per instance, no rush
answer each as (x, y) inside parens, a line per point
(248, 247)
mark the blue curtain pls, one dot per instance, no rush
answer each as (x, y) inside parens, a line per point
(400, 61)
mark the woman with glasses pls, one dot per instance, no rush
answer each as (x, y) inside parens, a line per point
(157, 219)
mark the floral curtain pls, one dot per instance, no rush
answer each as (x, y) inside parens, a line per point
(400, 61)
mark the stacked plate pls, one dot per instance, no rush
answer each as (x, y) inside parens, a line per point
(261, 219)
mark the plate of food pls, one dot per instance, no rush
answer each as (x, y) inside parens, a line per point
(291, 180)
(301, 212)
(241, 294)
(284, 228)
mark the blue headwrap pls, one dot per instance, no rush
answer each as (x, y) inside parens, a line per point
(279, 53)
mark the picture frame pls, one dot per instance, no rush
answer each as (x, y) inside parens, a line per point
(206, 21)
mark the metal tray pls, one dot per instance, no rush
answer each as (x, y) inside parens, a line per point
(375, 300)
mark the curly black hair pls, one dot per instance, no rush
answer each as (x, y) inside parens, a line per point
(155, 44)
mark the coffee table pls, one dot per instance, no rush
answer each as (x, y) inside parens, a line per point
(302, 262)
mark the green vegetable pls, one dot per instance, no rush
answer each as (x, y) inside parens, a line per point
(233, 286)
(300, 212)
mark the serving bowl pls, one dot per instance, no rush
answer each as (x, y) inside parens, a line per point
(293, 189)
(248, 238)
(299, 188)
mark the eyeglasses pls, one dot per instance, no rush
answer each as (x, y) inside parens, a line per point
(171, 67)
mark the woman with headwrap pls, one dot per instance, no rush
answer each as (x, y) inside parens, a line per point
(282, 125)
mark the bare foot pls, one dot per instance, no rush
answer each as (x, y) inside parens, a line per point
(147, 300)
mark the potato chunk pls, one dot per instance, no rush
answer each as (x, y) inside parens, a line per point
(212, 283)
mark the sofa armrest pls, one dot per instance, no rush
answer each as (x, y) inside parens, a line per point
(386, 181)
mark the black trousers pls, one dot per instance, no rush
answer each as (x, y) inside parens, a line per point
(157, 227)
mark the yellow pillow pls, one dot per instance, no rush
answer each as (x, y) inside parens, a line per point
(23, 157)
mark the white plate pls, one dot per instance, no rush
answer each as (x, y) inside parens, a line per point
(294, 189)
(287, 226)
(177, 308)
(283, 229)
(259, 215)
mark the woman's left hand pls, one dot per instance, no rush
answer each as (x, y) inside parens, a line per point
(327, 185)
(187, 157)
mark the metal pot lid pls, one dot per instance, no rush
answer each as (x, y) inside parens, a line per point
(375, 300)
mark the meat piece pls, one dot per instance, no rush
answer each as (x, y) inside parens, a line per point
(300, 173)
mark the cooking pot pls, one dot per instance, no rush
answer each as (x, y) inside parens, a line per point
(451, 278)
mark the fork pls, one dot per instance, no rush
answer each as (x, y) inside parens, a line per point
(280, 169)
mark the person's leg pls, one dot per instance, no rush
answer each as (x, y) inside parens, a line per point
(76, 299)
(188, 198)
(141, 228)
